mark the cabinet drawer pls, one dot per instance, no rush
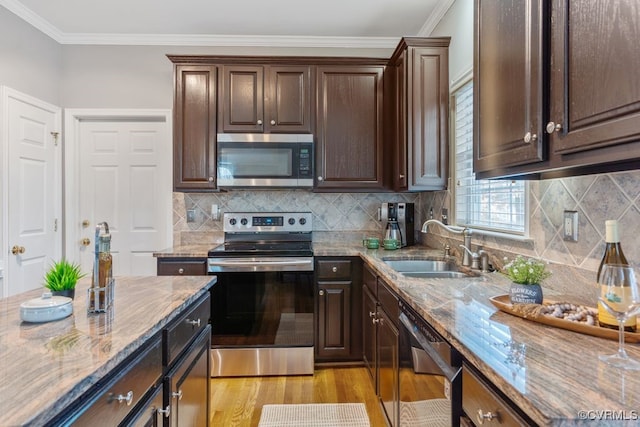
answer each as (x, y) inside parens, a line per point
(334, 269)
(130, 386)
(182, 330)
(479, 398)
(370, 280)
(389, 302)
(182, 267)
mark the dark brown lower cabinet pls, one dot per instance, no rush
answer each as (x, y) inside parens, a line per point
(151, 411)
(181, 266)
(187, 385)
(339, 308)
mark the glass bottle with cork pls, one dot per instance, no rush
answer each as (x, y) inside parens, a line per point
(101, 291)
(613, 255)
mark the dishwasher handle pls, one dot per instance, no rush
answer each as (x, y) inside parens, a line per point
(450, 372)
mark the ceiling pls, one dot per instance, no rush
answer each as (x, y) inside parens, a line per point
(342, 23)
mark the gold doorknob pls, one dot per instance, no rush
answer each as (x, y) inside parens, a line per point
(86, 241)
(17, 249)
(85, 223)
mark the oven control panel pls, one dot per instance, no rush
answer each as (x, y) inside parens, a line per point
(282, 222)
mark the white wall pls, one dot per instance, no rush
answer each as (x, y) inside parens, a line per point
(458, 24)
(30, 61)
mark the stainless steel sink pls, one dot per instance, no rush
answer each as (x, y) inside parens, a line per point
(426, 268)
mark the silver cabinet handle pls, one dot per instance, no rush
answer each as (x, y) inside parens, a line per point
(321, 292)
(210, 179)
(553, 127)
(181, 271)
(195, 323)
(530, 137)
(489, 416)
(166, 411)
(372, 314)
(376, 320)
(259, 122)
(127, 398)
(320, 178)
(401, 176)
(273, 122)
(334, 269)
(177, 394)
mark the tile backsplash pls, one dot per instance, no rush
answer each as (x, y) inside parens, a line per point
(596, 198)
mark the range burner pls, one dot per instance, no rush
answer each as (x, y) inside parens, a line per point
(265, 241)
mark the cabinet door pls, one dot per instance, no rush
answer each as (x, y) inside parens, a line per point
(349, 127)
(369, 309)
(334, 319)
(151, 413)
(288, 99)
(396, 132)
(242, 98)
(187, 385)
(508, 84)
(388, 368)
(428, 118)
(194, 138)
(595, 84)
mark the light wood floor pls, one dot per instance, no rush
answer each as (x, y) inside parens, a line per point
(237, 402)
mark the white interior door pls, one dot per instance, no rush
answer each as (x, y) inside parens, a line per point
(33, 189)
(124, 178)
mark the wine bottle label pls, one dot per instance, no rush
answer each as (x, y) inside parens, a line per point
(618, 299)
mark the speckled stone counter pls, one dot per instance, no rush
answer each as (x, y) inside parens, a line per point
(47, 366)
(553, 375)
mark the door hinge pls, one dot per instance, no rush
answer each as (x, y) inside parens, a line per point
(55, 138)
(55, 224)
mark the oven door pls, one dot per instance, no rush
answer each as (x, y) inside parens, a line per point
(265, 160)
(430, 387)
(262, 323)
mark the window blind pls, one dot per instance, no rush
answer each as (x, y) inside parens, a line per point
(496, 205)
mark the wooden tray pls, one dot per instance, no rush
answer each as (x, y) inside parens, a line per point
(502, 302)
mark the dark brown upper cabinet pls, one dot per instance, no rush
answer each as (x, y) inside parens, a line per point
(563, 75)
(194, 128)
(508, 84)
(269, 98)
(417, 103)
(349, 152)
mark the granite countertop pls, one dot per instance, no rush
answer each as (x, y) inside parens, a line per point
(553, 375)
(46, 366)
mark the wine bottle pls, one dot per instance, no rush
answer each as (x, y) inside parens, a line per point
(613, 255)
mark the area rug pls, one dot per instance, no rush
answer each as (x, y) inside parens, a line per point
(315, 415)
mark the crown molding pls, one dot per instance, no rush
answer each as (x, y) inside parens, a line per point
(32, 18)
(228, 40)
(438, 13)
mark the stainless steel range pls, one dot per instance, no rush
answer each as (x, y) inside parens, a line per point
(262, 306)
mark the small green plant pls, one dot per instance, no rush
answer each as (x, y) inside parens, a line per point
(62, 275)
(526, 271)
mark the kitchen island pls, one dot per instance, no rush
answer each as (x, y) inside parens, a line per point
(48, 367)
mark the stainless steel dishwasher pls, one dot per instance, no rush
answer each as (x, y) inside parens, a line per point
(430, 374)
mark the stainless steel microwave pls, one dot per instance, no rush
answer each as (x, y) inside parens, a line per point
(269, 160)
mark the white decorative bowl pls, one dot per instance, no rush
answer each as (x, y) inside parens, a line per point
(46, 308)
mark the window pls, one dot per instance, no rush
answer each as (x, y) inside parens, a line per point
(493, 205)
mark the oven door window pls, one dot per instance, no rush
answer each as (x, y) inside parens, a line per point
(262, 309)
(255, 162)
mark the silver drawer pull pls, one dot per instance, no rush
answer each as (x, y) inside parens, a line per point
(166, 411)
(128, 398)
(195, 323)
(181, 271)
(489, 416)
(177, 394)
(334, 269)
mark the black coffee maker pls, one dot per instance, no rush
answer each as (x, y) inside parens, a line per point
(399, 216)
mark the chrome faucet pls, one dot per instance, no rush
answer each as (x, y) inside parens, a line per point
(466, 233)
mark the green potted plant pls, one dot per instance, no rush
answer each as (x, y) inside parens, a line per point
(526, 276)
(62, 277)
